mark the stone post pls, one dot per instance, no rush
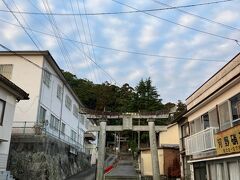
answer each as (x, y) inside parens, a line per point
(154, 150)
(101, 150)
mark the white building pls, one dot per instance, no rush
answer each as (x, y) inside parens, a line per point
(10, 94)
(53, 107)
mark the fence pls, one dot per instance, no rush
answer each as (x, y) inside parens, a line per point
(33, 128)
(201, 141)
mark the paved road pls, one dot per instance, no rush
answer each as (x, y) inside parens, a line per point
(86, 175)
(124, 170)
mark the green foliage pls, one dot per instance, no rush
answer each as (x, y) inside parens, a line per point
(116, 99)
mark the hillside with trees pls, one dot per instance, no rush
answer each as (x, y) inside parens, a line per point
(142, 98)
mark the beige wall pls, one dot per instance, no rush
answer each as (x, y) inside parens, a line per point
(171, 136)
(146, 162)
(218, 100)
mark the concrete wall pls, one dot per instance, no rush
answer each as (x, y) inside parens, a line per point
(5, 129)
(171, 136)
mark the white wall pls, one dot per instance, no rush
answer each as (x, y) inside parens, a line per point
(5, 129)
(28, 77)
(53, 105)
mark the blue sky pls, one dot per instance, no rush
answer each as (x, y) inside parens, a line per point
(174, 78)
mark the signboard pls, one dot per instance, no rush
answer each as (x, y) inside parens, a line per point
(228, 141)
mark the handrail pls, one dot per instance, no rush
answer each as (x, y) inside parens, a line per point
(200, 132)
(201, 141)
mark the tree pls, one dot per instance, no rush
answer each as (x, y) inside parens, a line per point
(146, 97)
(181, 107)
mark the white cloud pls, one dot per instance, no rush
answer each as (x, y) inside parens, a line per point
(149, 32)
(186, 20)
(227, 16)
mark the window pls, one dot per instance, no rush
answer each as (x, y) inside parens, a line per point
(81, 118)
(6, 70)
(42, 115)
(235, 106)
(196, 126)
(68, 102)
(184, 134)
(54, 123)
(216, 171)
(192, 127)
(233, 169)
(75, 110)
(2, 109)
(59, 92)
(185, 130)
(73, 135)
(205, 121)
(224, 116)
(63, 128)
(213, 118)
(46, 78)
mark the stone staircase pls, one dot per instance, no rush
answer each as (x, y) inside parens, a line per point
(6, 175)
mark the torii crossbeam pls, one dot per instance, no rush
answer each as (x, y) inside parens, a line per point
(127, 119)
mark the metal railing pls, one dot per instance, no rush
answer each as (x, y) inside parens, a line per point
(3, 161)
(201, 141)
(33, 128)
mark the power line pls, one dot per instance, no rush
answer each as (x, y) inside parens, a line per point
(79, 36)
(20, 24)
(195, 15)
(119, 12)
(56, 32)
(90, 33)
(62, 38)
(172, 22)
(120, 50)
(25, 21)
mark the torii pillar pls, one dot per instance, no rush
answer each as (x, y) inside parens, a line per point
(154, 150)
(101, 149)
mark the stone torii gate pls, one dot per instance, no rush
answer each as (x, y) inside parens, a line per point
(127, 119)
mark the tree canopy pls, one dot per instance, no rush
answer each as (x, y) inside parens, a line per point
(143, 98)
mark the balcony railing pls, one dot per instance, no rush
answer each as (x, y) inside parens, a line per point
(201, 141)
(30, 128)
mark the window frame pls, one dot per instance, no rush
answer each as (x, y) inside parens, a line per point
(3, 112)
(54, 123)
(59, 92)
(75, 110)
(230, 115)
(68, 104)
(39, 118)
(47, 77)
